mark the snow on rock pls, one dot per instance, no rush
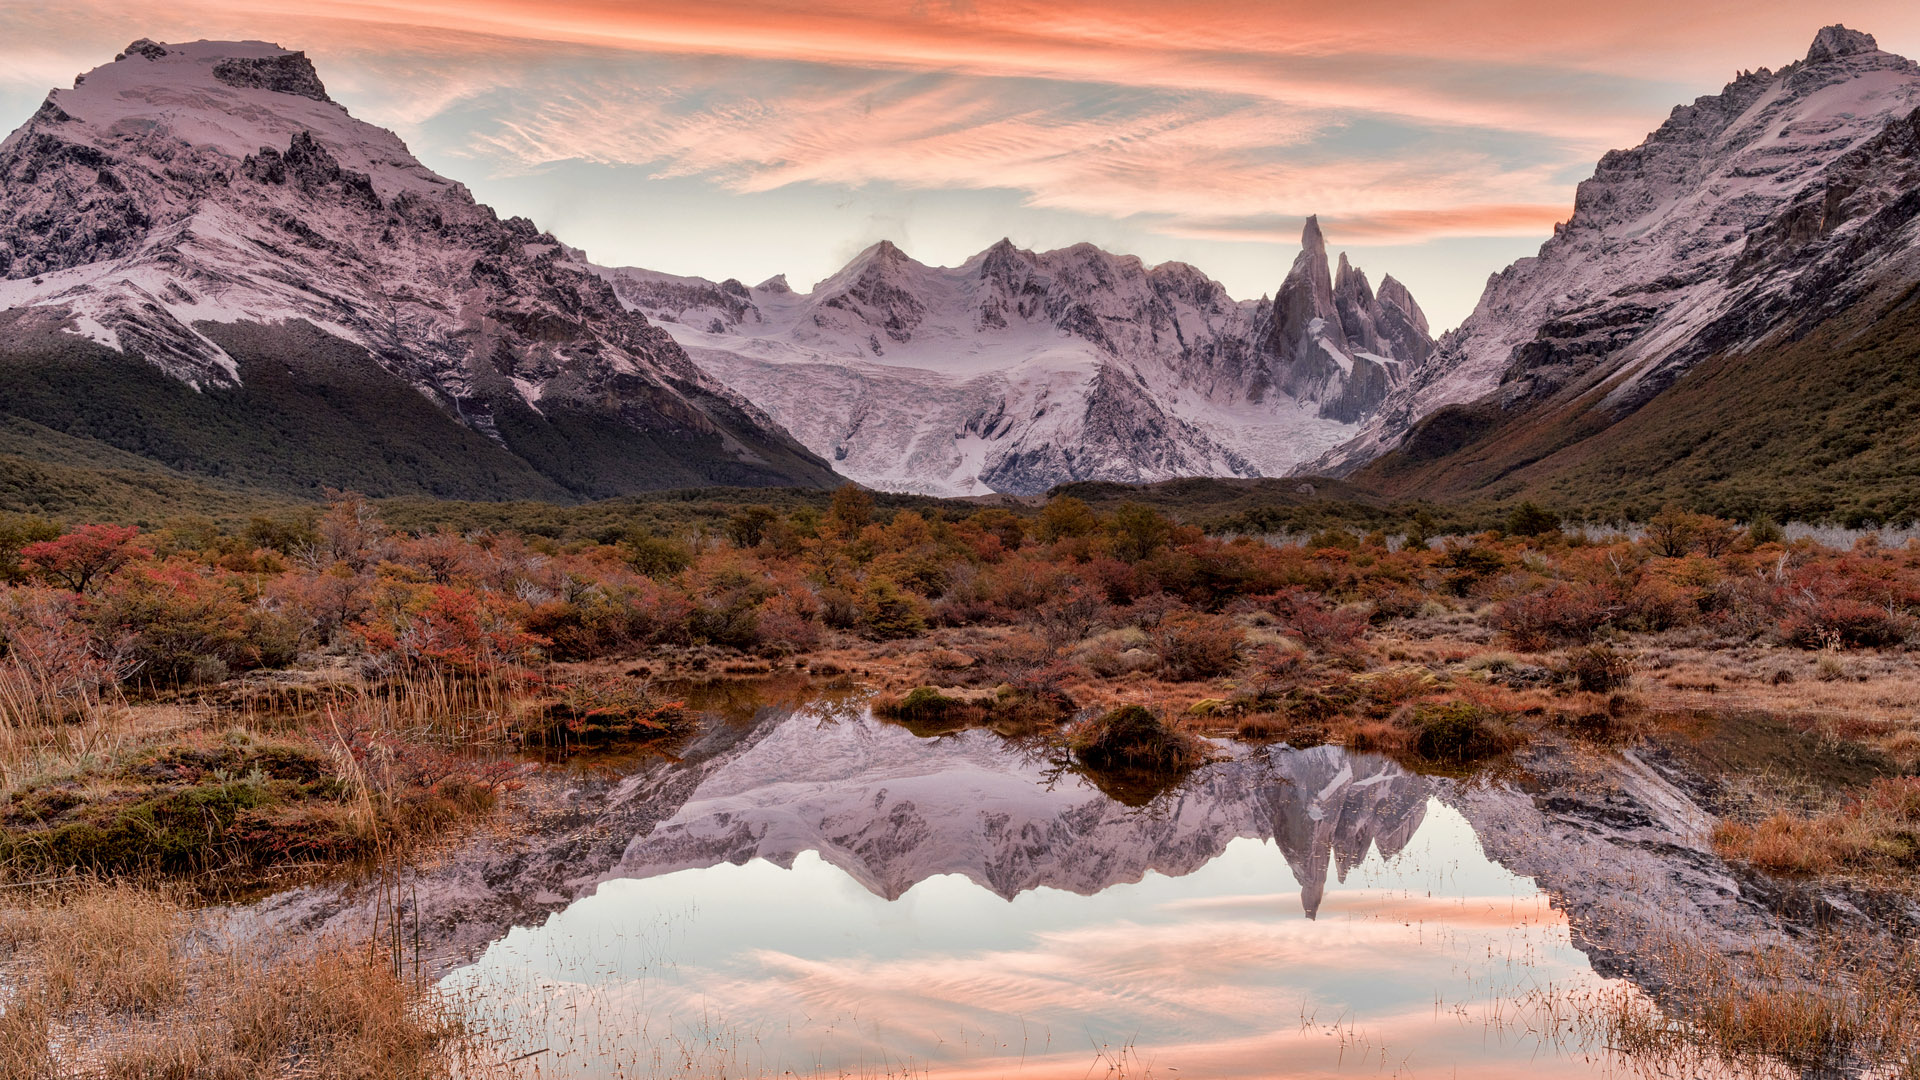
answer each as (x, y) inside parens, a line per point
(1016, 371)
(1664, 261)
(217, 182)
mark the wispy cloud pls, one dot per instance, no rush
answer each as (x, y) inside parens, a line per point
(1203, 124)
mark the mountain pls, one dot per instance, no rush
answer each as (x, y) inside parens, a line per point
(207, 263)
(1017, 371)
(1728, 316)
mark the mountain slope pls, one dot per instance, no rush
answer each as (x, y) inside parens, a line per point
(1017, 371)
(1745, 247)
(336, 312)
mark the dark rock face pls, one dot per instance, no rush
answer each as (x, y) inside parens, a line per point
(291, 73)
(1333, 341)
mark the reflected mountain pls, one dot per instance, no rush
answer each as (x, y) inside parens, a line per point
(891, 810)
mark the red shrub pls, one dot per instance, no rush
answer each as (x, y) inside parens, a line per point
(85, 555)
(1307, 616)
(1819, 622)
(1193, 645)
(449, 628)
(1555, 615)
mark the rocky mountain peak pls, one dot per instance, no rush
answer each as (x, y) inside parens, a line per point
(1836, 41)
(1703, 239)
(1312, 241)
(188, 196)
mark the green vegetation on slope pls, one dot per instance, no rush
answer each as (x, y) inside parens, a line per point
(1826, 428)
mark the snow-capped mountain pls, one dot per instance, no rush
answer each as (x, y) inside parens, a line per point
(1748, 217)
(186, 190)
(1016, 370)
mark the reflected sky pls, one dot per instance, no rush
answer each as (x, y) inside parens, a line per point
(1418, 963)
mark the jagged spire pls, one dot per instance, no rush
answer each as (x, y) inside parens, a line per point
(1836, 41)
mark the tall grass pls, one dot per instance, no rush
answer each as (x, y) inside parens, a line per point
(44, 720)
(114, 981)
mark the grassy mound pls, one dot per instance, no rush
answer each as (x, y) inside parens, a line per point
(1460, 732)
(1133, 737)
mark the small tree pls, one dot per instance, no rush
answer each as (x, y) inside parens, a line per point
(1532, 519)
(16, 532)
(1672, 532)
(748, 527)
(655, 556)
(851, 511)
(1138, 531)
(85, 555)
(1066, 517)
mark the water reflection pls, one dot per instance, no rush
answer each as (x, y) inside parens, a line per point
(892, 810)
(841, 897)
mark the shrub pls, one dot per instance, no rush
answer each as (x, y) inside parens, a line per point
(1458, 732)
(1599, 669)
(175, 625)
(1193, 645)
(85, 555)
(655, 556)
(1555, 615)
(1305, 615)
(886, 612)
(16, 532)
(448, 628)
(1530, 519)
(1818, 623)
(1133, 737)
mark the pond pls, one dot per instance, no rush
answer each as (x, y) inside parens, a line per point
(837, 896)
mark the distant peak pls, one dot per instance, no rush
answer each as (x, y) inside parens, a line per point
(1310, 236)
(1836, 41)
(775, 284)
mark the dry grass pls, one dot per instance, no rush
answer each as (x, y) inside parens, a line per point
(120, 983)
(1875, 836)
(1853, 1002)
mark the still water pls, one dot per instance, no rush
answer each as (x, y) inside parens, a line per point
(836, 896)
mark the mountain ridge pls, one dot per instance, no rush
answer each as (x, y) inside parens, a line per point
(1016, 371)
(1745, 220)
(182, 188)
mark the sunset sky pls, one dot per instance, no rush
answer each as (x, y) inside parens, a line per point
(1437, 141)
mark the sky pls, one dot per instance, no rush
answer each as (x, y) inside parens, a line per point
(723, 138)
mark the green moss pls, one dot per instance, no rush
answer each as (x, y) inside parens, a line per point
(176, 832)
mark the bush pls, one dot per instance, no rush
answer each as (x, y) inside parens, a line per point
(887, 613)
(1197, 646)
(1132, 737)
(1529, 519)
(1819, 623)
(176, 625)
(1305, 615)
(1458, 732)
(1599, 669)
(1552, 616)
(655, 556)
